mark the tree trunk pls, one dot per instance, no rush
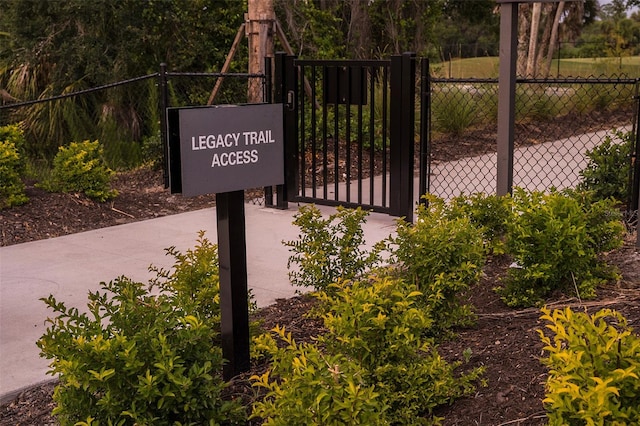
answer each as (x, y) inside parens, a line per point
(546, 22)
(553, 40)
(359, 29)
(260, 21)
(533, 40)
(524, 20)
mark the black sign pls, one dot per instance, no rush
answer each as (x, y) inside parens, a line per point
(225, 148)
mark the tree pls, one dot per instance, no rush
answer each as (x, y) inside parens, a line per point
(360, 29)
(468, 29)
(57, 47)
(540, 27)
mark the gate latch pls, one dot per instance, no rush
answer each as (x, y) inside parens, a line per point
(291, 100)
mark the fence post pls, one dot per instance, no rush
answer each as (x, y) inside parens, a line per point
(285, 79)
(268, 98)
(635, 162)
(506, 95)
(164, 104)
(425, 128)
(401, 133)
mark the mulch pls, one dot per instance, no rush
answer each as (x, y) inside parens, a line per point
(504, 341)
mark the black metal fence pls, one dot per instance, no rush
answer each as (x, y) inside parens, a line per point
(350, 128)
(557, 122)
(342, 150)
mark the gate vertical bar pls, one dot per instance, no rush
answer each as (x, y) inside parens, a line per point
(402, 124)
(164, 104)
(425, 129)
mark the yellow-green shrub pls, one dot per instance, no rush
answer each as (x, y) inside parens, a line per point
(308, 387)
(11, 166)
(594, 368)
(145, 355)
(80, 167)
(373, 366)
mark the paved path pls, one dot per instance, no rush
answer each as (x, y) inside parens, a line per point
(70, 266)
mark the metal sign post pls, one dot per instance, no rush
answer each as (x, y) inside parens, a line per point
(234, 294)
(222, 151)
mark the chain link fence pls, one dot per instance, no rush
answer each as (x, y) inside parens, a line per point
(557, 122)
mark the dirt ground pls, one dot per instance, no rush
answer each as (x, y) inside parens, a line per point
(504, 341)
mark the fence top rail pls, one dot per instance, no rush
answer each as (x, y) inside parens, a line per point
(463, 80)
(567, 80)
(213, 74)
(344, 62)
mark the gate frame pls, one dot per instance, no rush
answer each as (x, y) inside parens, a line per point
(402, 108)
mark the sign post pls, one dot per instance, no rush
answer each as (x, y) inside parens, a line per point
(234, 295)
(223, 150)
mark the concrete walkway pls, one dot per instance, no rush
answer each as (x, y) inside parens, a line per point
(70, 266)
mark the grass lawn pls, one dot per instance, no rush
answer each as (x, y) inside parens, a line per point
(487, 67)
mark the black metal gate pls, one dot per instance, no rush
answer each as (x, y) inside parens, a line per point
(350, 131)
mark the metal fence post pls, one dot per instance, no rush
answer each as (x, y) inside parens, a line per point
(286, 93)
(164, 104)
(425, 128)
(635, 184)
(401, 132)
(268, 98)
(507, 94)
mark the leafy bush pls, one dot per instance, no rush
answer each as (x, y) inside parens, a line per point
(375, 366)
(608, 169)
(443, 256)
(13, 133)
(330, 249)
(594, 366)
(142, 358)
(11, 185)
(456, 112)
(555, 241)
(308, 387)
(80, 168)
(490, 213)
(380, 324)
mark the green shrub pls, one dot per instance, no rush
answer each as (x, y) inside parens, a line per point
(555, 241)
(608, 168)
(308, 387)
(13, 133)
(11, 166)
(490, 213)
(594, 367)
(140, 356)
(442, 256)
(456, 111)
(80, 168)
(380, 324)
(375, 365)
(330, 249)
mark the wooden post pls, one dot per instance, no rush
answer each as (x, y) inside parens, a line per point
(259, 25)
